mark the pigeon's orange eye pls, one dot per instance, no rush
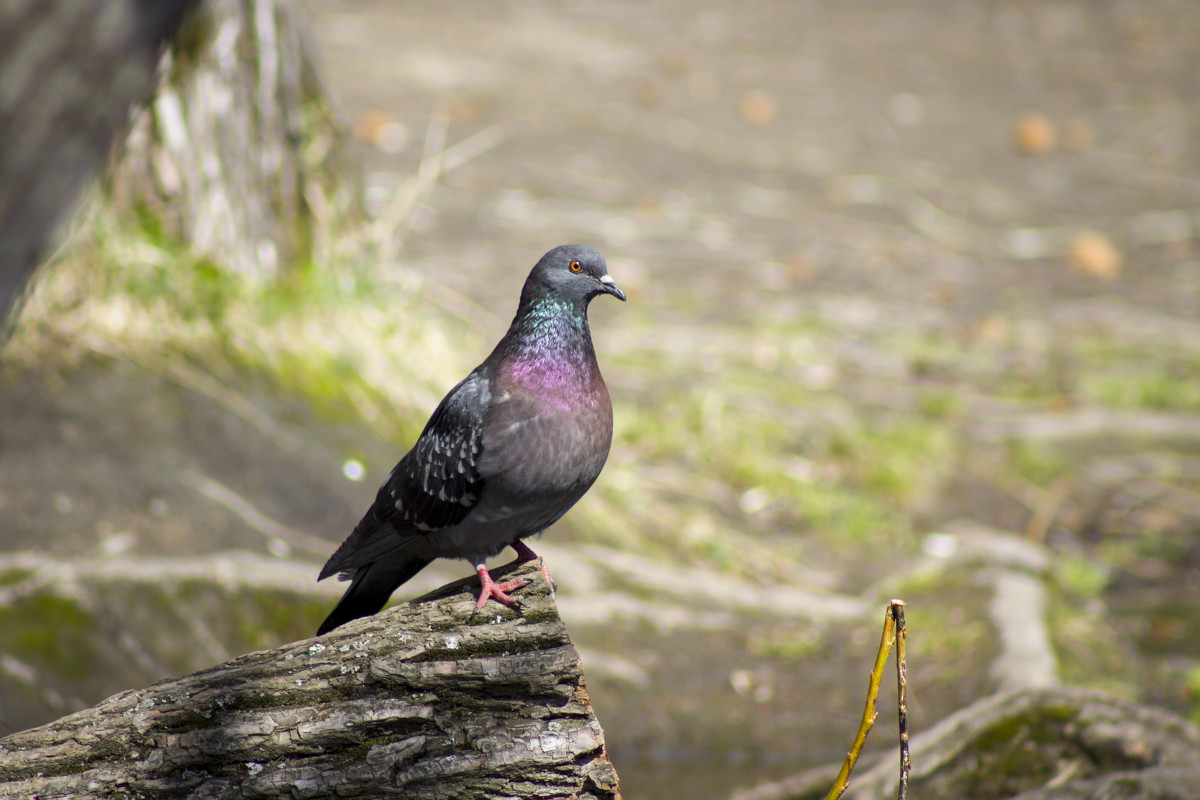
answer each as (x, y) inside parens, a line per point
(576, 266)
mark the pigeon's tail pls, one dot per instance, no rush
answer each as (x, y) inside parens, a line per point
(370, 589)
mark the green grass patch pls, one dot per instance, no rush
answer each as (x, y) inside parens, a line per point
(794, 641)
(1192, 681)
(1081, 577)
(1039, 463)
(14, 575)
(45, 630)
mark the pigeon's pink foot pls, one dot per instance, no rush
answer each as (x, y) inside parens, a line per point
(525, 554)
(496, 591)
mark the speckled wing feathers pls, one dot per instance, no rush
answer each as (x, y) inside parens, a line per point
(438, 482)
(433, 487)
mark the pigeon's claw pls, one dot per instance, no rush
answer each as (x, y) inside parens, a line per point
(489, 589)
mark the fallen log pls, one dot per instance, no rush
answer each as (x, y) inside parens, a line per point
(427, 699)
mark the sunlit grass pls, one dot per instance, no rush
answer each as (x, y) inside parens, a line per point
(352, 345)
(751, 465)
(1193, 688)
(1146, 384)
(1081, 577)
(1039, 463)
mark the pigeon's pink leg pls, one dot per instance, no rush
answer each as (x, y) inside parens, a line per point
(495, 591)
(525, 554)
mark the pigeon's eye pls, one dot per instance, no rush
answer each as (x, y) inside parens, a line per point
(576, 266)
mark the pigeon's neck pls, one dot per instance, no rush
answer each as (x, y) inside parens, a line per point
(549, 349)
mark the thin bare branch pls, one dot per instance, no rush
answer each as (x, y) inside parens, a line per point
(842, 782)
(896, 613)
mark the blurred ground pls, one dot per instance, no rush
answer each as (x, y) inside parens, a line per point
(993, 207)
(947, 249)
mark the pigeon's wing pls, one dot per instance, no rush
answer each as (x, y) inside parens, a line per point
(434, 486)
(438, 482)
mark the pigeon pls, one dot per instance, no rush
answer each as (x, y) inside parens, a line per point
(507, 452)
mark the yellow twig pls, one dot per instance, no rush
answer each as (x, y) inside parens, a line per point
(869, 714)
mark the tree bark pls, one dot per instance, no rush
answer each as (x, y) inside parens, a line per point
(236, 151)
(72, 69)
(427, 699)
(240, 154)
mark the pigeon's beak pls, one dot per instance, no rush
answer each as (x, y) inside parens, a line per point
(610, 286)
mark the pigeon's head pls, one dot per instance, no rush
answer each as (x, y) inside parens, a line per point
(572, 272)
